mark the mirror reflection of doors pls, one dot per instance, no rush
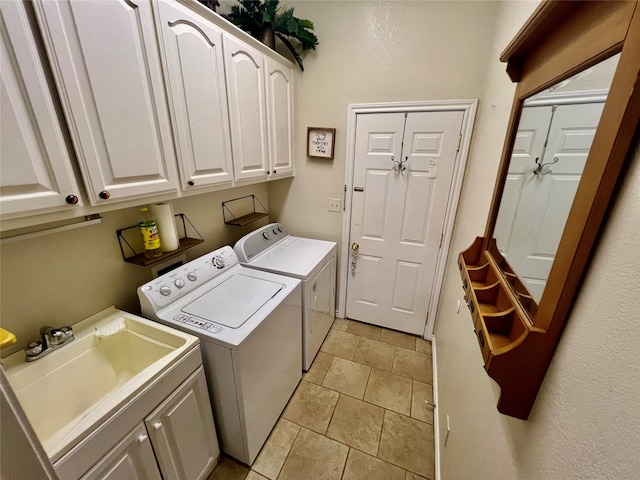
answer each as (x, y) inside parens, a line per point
(554, 136)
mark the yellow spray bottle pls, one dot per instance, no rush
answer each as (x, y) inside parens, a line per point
(150, 236)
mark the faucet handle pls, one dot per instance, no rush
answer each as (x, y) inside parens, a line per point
(56, 336)
(60, 335)
(68, 332)
(33, 349)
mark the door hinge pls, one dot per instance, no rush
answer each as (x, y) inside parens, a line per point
(459, 142)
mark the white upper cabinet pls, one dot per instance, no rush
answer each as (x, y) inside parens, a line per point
(280, 118)
(35, 169)
(260, 92)
(152, 95)
(245, 82)
(105, 60)
(194, 67)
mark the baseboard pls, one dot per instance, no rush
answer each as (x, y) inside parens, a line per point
(436, 423)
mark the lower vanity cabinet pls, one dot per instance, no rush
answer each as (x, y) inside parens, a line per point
(176, 441)
(132, 458)
(182, 432)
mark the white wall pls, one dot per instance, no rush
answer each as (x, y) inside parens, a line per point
(585, 422)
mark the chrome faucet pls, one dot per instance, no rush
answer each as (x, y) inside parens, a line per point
(51, 339)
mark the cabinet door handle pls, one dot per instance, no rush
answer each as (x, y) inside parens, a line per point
(142, 438)
(157, 426)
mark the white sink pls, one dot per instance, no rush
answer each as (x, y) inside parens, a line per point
(69, 392)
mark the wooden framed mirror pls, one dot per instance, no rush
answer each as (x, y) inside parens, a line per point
(518, 318)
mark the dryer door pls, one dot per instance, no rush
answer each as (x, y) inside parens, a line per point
(320, 310)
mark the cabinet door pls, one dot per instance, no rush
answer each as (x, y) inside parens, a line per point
(245, 88)
(280, 118)
(183, 433)
(197, 95)
(106, 63)
(131, 459)
(35, 174)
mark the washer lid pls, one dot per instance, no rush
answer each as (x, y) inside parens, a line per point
(234, 301)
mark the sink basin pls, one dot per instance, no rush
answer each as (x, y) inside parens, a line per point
(73, 389)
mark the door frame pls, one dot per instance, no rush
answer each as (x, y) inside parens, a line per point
(469, 108)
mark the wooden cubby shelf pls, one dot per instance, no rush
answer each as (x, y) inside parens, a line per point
(508, 340)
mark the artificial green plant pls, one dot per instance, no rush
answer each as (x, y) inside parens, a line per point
(264, 19)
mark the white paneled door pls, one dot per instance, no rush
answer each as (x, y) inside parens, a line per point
(403, 171)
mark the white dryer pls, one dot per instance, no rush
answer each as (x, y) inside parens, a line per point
(248, 322)
(272, 249)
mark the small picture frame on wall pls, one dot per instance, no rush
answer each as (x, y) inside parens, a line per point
(320, 142)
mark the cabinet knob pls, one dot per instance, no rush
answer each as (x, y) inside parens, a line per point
(191, 183)
(157, 426)
(104, 195)
(142, 438)
(274, 171)
(268, 172)
(71, 199)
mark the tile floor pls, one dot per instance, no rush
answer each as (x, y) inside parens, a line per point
(361, 412)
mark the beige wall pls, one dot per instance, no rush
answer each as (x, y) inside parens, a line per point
(372, 52)
(62, 278)
(585, 422)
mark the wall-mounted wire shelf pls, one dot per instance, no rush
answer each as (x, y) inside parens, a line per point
(127, 238)
(246, 204)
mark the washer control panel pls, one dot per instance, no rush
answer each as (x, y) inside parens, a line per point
(198, 323)
(166, 289)
(259, 240)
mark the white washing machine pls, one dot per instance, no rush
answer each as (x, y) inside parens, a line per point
(272, 249)
(248, 322)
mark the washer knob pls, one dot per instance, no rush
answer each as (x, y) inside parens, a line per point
(265, 235)
(179, 282)
(275, 231)
(192, 276)
(165, 290)
(218, 262)
(279, 229)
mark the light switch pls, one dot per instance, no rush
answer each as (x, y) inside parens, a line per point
(335, 205)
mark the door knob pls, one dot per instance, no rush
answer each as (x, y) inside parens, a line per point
(355, 247)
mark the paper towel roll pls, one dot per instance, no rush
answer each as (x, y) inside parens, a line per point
(163, 215)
